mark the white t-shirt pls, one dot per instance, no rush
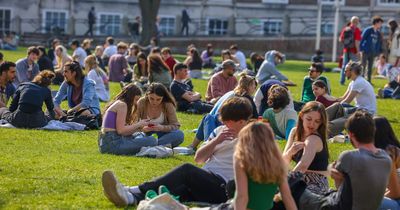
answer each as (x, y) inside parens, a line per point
(365, 98)
(101, 91)
(241, 58)
(221, 161)
(80, 54)
(109, 51)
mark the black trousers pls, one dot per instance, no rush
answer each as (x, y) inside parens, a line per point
(190, 183)
(21, 119)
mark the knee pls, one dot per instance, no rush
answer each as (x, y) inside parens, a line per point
(179, 137)
(187, 167)
(151, 141)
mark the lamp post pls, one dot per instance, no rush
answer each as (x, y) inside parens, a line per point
(335, 31)
(319, 17)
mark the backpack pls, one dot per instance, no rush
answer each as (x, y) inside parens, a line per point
(348, 38)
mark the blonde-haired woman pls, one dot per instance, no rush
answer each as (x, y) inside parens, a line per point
(259, 170)
(98, 76)
(62, 58)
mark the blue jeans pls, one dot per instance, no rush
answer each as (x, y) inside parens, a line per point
(389, 204)
(113, 143)
(346, 58)
(207, 126)
(174, 137)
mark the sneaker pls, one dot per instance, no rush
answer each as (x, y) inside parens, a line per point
(380, 93)
(113, 190)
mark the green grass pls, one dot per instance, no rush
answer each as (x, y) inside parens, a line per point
(62, 170)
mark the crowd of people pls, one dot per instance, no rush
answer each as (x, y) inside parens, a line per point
(235, 138)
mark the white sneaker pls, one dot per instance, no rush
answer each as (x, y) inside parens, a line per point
(113, 190)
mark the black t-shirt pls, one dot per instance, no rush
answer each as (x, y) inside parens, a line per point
(177, 90)
(393, 84)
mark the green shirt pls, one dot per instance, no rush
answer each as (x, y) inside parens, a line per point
(260, 195)
(307, 93)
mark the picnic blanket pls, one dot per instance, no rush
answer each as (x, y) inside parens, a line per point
(52, 125)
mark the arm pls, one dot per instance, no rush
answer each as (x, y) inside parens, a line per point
(289, 126)
(49, 104)
(88, 94)
(287, 195)
(349, 98)
(339, 99)
(61, 94)
(187, 60)
(303, 89)
(287, 155)
(277, 73)
(242, 195)
(121, 127)
(191, 96)
(15, 101)
(312, 145)
(258, 97)
(173, 122)
(216, 89)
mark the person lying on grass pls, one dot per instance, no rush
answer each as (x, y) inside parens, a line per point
(189, 182)
(120, 129)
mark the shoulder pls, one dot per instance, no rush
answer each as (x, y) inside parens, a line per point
(88, 81)
(169, 106)
(141, 101)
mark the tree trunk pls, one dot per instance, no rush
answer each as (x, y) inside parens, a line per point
(149, 10)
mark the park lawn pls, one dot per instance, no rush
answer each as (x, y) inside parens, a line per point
(62, 170)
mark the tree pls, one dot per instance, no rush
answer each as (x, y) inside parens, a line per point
(149, 11)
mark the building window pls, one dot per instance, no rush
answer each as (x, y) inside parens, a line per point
(109, 23)
(389, 2)
(217, 27)
(327, 28)
(5, 19)
(341, 2)
(272, 27)
(276, 1)
(55, 21)
(167, 25)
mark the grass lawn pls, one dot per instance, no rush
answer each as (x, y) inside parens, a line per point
(62, 170)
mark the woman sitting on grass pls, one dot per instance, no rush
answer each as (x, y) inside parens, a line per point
(140, 71)
(386, 139)
(281, 117)
(26, 107)
(307, 146)
(259, 170)
(159, 108)
(320, 90)
(158, 71)
(98, 76)
(120, 126)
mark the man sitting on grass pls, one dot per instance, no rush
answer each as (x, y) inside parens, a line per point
(187, 181)
(360, 175)
(187, 99)
(7, 76)
(314, 74)
(221, 82)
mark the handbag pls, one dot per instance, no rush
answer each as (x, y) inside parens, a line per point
(92, 122)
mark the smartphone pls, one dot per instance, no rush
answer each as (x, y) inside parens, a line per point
(151, 125)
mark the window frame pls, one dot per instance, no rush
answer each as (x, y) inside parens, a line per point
(11, 17)
(380, 3)
(98, 22)
(220, 19)
(275, 1)
(44, 11)
(173, 27)
(275, 20)
(329, 2)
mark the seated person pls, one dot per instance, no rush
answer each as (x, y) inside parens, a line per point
(62, 58)
(239, 55)
(7, 76)
(131, 58)
(120, 129)
(386, 139)
(194, 63)
(158, 70)
(10, 42)
(140, 71)
(26, 108)
(258, 181)
(268, 68)
(187, 99)
(307, 146)
(360, 175)
(159, 108)
(381, 66)
(359, 90)
(246, 88)
(98, 76)
(118, 65)
(318, 57)
(27, 68)
(391, 90)
(207, 58)
(261, 96)
(44, 62)
(221, 82)
(315, 72)
(280, 116)
(168, 59)
(256, 60)
(79, 91)
(187, 181)
(320, 91)
(226, 55)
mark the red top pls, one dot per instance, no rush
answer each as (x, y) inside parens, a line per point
(357, 37)
(324, 101)
(171, 63)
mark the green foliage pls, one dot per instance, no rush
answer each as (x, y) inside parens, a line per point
(62, 170)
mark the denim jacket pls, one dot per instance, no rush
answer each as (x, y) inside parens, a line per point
(89, 96)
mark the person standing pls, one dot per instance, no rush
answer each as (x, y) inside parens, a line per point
(371, 45)
(350, 37)
(185, 19)
(91, 21)
(393, 43)
(27, 68)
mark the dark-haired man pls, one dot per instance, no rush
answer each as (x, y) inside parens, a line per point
(359, 90)
(360, 175)
(371, 45)
(7, 76)
(190, 182)
(187, 99)
(27, 68)
(314, 73)
(79, 91)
